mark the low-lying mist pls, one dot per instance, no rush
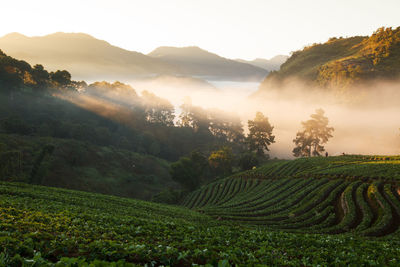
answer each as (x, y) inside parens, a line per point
(366, 118)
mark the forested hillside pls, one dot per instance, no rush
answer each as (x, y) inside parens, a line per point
(342, 62)
(103, 137)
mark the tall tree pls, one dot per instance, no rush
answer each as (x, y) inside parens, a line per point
(194, 117)
(188, 171)
(61, 78)
(316, 132)
(260, 134)
(226, 126)
(157, 109)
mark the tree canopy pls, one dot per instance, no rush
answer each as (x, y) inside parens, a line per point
(260, 134)
(316, 132)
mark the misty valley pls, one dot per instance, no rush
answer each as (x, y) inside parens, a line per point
(183, 157)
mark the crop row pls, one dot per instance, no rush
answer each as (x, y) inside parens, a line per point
(304, 205)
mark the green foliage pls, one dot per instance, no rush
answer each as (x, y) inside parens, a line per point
(56, 227)
(221, 161)
(15, 124)
(36, 102)
(76, 165)
(187, 172)
(304, 196)
(169, 196)
(46, 150)
(248, 161)
(260, 134)
(316, 133)
(10, 163)
(342, 62)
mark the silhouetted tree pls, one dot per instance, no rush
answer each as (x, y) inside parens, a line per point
(316, 132)
(62, 78)
(226, 126)
(157, 109)
(194, 117)
(303, 144)
(40, 75)
(247, 161)
(260, 134)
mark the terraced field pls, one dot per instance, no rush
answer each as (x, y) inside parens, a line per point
(271, 216)
(346, 194)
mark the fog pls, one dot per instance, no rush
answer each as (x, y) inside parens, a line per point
(366, 118)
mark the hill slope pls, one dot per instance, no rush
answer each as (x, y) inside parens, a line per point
(198, 62)
(352, 194)
(342, 62)
(82, 166)
(43, 226)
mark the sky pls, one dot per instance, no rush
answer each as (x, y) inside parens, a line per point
(245, 29)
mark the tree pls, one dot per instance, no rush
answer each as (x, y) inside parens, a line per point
(184, 172)
(260, 134)
(316, 132)
(303, 144)
(194, 117)
(157, 109)
(199, 161)
(226, 126)
(247, 161)
(40, 75)
(221, 161)
(9, 79)
(62, 78)
(189, 171)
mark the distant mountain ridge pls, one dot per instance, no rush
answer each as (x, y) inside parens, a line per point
(85, 56)
(268, 64)
(89, 58)
(195, 61)
(343, 62)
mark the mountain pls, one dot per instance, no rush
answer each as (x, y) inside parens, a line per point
(84, 56)
(343, 62)
(88, 58)
(268, 64)
(195, 61)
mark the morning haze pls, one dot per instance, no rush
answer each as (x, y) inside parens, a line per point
(200, 133)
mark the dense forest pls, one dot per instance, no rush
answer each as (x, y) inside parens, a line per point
(105, 136)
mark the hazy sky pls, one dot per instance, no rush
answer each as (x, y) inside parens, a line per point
(234, 29)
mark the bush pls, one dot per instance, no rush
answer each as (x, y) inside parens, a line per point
(247, 161)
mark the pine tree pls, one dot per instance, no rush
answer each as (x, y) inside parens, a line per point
(316, 132)
(260, 134)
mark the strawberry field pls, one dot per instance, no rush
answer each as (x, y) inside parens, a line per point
(269, 216)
